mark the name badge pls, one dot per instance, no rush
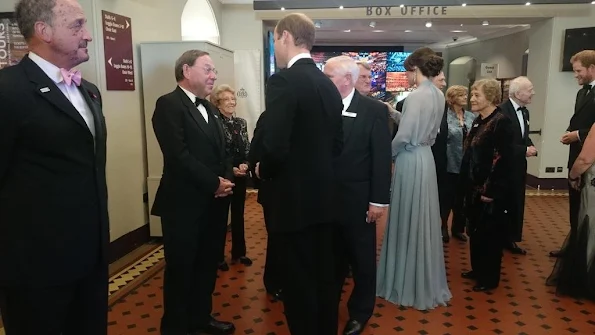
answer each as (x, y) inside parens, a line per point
(349, 114)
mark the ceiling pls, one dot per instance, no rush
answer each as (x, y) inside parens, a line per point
(442, 33)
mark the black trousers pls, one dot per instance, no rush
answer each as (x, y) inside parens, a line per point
(76, 308)
(448, 202)
(237, 204)
(272, 267)
(192, 255)
(486, 244)
(517, 208)
(311, 285)
(358, 241)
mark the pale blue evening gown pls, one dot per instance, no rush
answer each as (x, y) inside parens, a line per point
(411, 271)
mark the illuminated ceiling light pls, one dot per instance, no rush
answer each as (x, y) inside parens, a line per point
(592, 2)
(464, 5)
(372, 24)
(347, 30)
(404, 5)
(428, 24)
(408, 31)
(461, 24)
(377, 31)
(458, 31)
(282, 8)
(528, 4)
(340, 7)
(485, 23)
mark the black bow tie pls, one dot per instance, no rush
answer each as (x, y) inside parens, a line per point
(198, 101)
(587, 87)
(522, 109)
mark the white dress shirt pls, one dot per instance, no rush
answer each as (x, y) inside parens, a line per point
(519, 115)
(71, 92)
(202, 109)
(346, 103)
(298, 57)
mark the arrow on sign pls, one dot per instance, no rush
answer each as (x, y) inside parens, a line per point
(109, 61)
(127, 24)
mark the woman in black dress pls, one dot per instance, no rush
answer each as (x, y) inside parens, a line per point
(485, 184)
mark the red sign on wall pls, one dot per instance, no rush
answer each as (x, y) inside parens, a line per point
(117, 42)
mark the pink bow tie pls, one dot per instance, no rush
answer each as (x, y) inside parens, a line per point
(71, 76)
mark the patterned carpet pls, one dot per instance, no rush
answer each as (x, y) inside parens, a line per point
(521, 305)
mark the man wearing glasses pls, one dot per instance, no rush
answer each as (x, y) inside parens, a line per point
(192, 198)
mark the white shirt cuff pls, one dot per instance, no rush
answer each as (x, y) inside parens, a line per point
(378, 205)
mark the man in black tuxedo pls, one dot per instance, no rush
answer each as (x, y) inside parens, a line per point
(302, 140)
(192, 197)
(54, 228)
(272, 275)
(520, 94)
(364, 173)
(583, 64)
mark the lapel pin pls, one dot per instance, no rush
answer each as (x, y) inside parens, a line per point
(44, 89)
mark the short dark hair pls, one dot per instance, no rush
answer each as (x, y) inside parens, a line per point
(188, 58)
(426, 60)
(300, 27)
(28, 12)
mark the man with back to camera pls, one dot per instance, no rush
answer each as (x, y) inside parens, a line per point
(302, 139)
(520, 92)
(364, 173)
(54, 227)
(583, 65)
(192, 197)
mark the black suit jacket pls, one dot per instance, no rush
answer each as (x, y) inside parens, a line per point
(193, 157)
(439, 148)
(582, 120)
(303, 136)
(520, 141)
(53, 196)
(254, 156)
(364, 167)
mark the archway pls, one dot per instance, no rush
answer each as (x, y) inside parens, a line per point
(199, 22)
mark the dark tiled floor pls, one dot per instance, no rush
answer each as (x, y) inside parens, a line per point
(522, 304)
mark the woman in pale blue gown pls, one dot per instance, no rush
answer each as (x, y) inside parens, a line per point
(411, 271)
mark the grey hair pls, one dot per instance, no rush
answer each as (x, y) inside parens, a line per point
(188, 58)
(345, 65)
(516, 84)
(364, 64)
(29, 12)
(216, 94)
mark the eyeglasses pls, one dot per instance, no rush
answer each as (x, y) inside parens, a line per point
(208, 70)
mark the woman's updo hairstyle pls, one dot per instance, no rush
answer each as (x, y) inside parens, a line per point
(426, 60)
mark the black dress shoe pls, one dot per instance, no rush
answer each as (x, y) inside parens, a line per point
(515, 249)
(482, 288)
(556, 253)
(243, 260)
(460, 236)
(216, 327)
(353, 327)
(223, 266)
(468, 275)
(277, 295)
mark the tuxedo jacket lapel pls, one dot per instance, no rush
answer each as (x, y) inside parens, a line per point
(95, 109)
(350, 123)
(46, 88)
(583, 100)
(195, 113)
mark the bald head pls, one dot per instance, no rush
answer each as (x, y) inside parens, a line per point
(343, 71)
(521, 90)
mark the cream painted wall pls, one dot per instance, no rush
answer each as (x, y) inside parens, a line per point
(241, 30)
(507, 51)
(126, 161)
(556, 90)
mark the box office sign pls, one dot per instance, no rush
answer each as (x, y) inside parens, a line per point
(406, 11)
(119, 62)
(12, 43)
